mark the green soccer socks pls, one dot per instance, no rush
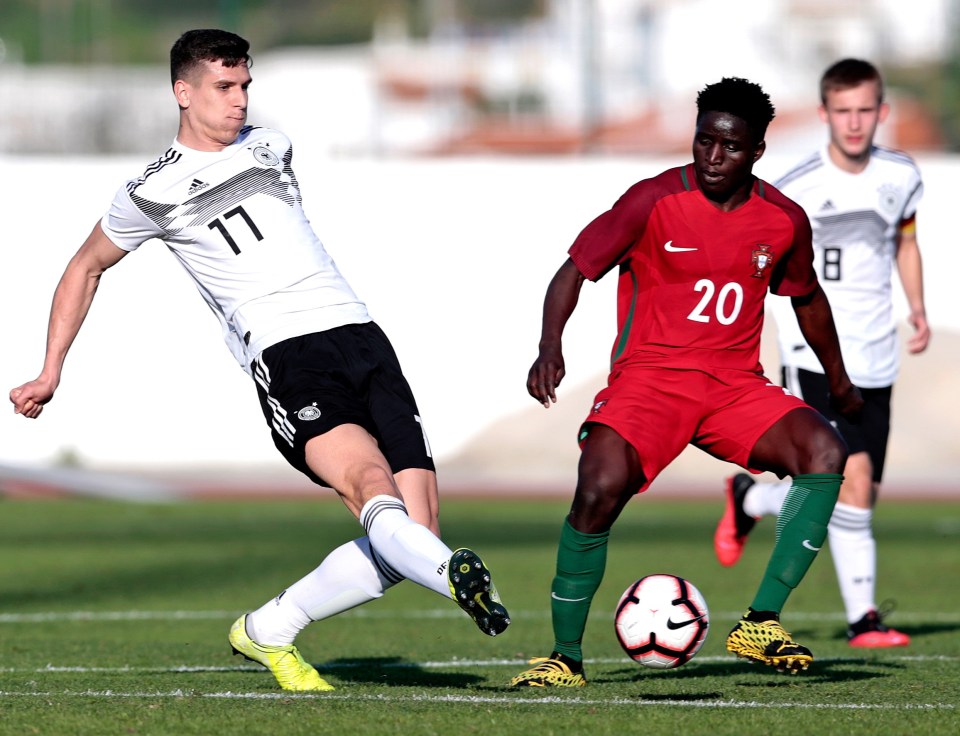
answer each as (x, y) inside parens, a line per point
(581, 560)
(801, 531)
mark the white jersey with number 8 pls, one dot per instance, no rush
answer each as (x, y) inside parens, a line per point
(855, 220)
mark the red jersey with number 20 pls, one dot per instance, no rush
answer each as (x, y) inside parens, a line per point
(693, 278)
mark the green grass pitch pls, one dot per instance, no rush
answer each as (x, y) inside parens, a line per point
(114, 617)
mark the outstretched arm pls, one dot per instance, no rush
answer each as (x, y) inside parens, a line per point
(816, 323)
(548, 369)
(910, 268)
(71, 302)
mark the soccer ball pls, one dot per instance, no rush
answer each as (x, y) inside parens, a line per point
(661, 621)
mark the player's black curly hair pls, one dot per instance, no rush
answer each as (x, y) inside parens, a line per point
(739, 97)
(206, 44)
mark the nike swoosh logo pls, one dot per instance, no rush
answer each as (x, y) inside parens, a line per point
(806, 543)
(567, 600)
(672, 625)
(671, 248)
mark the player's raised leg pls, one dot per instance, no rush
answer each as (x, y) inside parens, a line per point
(469, 578)
(348, 458)
(403, 548)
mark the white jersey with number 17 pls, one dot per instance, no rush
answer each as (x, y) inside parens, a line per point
(855, 220)
(234, 220)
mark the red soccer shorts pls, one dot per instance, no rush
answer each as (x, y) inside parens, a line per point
(661, 410)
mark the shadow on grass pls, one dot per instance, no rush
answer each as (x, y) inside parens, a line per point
(394, 672)
(823, 670)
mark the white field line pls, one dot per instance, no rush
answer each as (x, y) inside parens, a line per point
(81, 616)
(454, 663)
(448, 664)
(479, 699)
(417, 615)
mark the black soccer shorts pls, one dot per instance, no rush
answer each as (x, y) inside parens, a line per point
(347, 375)
(870, 435)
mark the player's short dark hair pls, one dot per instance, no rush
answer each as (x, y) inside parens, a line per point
(848, 73)
(739, 97)
(206, 44)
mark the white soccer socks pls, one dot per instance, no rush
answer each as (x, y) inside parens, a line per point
(766, 499)
(402, 548)
(854, 552)
(396, 547)
(347, 577)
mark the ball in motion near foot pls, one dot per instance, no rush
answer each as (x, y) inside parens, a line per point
(661, 621)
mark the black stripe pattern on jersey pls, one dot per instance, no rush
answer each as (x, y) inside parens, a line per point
(288, 171)
(844, 227)
(171, 156)
(172, 218)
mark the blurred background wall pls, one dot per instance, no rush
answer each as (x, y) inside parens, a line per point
(415, 77)
(448, 151)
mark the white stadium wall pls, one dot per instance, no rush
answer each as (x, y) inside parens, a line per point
(452, 256)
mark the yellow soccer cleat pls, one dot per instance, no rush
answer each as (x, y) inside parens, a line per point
(767, 642)
(474, 591)
(549, 672)
(286, 664)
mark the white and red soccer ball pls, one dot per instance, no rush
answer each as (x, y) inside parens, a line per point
(661, 621)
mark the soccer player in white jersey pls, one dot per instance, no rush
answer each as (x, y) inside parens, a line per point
(225, 201)
(862, 201)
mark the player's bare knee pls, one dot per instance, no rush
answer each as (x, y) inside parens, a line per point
(370, 479)
(598, 501)
(827, 453)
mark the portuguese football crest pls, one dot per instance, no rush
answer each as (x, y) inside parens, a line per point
(762, 259)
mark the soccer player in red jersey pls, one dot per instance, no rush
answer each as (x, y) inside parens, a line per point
(696, 248)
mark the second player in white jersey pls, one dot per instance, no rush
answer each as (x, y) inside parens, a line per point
(233, 218)
(861, 200)
(856, 219)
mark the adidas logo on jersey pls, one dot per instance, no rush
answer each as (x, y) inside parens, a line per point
(828, 205)
(195, 186)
